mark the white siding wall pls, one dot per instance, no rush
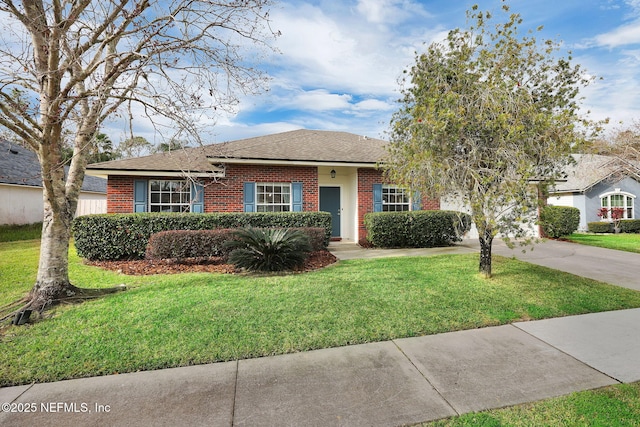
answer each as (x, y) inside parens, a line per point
(23, 205)
(91, 203)
(455, 204)
(20, 204)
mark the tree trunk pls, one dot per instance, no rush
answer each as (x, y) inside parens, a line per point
(486, 240)
(52, 282)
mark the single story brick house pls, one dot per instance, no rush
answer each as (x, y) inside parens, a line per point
(301, 170)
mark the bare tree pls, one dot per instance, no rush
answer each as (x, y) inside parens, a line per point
(78, 62)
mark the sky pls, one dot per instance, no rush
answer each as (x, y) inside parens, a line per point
(339, 61)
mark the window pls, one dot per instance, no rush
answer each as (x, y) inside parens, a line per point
(273, 197)
(617, 199)
(394, 199)
(169, 196)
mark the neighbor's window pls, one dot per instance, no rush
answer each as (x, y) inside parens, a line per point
(169, 196)
(618, 200)
(273, 197)
(394, 199)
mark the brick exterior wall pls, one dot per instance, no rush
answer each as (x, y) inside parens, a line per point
(224, 194)
(120, 194)
(366, 179)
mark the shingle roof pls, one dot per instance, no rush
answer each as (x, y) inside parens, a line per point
(590, 169)
(20, 166)
(298, 145)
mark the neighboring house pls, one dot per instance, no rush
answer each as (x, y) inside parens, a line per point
(302, 170)
(594, 182)
(21, 188)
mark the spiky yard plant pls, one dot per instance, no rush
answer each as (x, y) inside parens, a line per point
(268, 249)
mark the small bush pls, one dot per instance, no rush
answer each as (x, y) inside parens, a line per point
(416, 229)
(181, 244)
(268, 249)
(600, 227)
(125, 236)
(559, 221)
(630, 226)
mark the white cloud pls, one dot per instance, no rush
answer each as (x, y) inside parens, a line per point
(389, 11)
(624, 35)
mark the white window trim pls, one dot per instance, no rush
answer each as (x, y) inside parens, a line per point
(283, 184)
(182, 204)
(616, 192)
(396, 187)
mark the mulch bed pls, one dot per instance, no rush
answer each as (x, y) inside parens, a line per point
(143, 267)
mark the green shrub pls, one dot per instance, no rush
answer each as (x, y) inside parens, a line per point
(559, 221)
(416, 229)
(269, 249)
(180, 244)
(125, 236)
(630, 226)
(600, 227)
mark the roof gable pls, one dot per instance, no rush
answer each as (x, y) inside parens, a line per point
(590, 169)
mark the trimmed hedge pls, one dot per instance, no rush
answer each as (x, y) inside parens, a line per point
(626, 226)
(600, 227)
(416, 229)
(559, 221)
(125, 236)
(181, 244)
(630, 226)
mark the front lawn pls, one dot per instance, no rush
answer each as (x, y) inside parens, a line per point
(178, 320)
(609, 406)
(622, 242)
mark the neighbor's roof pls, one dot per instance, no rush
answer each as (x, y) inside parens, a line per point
(19, 166)
(295, 147)
(591, 169)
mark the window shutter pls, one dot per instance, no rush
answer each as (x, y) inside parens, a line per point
(416, 204)
(296, 190)
(197, 197)
(140, 188)
(377, 197)
(249, 197)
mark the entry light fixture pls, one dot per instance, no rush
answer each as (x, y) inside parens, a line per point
(333, 173)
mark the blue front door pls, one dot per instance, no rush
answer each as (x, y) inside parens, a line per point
(330, 202)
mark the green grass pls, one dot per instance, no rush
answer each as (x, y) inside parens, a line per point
(610, 406)
(12, 233)
(621, 242)
(178, 320)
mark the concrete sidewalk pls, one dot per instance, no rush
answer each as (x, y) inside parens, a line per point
(389, 383)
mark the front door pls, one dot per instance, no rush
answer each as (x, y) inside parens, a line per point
(330, 202)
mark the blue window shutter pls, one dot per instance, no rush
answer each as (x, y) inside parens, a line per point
(249, 196)
(296, 190)
(416, 204)
(197, 197)
(140, 187)
(377, 197)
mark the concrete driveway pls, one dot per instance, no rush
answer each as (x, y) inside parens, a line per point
(607, 265)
